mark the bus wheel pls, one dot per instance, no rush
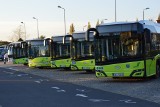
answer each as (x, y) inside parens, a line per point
(157, 71)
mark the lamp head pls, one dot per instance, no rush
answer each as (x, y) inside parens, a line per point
(59, 7)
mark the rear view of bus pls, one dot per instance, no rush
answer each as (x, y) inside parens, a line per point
(38, 53)
(82, 52)
(60, 52)
(3, 50)
(129, 49)
(18, 52)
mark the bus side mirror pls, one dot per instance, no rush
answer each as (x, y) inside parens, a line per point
(46, 41)
(147, 35)
(67, 36)
(88, 33)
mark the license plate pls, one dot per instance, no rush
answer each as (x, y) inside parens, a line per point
(62, 65)
(85, 68)
(118, 74)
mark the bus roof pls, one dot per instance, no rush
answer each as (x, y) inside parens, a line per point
(129, 26)
(18, 42)
(82, 35)
(57, 38)
(34, 40)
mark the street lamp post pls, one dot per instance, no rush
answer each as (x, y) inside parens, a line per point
(115, 11)
(37, 27)
(24, 29)
(64, 18)
(143, 11)
(19, 36)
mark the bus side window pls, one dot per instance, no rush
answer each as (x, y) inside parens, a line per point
(155, 44)
(148, 49)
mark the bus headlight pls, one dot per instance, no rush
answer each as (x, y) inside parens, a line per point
(53, 62)
(73, 62)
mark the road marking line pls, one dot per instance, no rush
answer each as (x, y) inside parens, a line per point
(80, 90)
(8, 72)
(19, 75)
(37, 82)
(128, 101)
(81, 95)
(61, 90)
(57, 88)
(98, 100)
(13, 69)
(0, 105)
(41, 80)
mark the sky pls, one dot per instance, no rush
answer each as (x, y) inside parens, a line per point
(79, 12)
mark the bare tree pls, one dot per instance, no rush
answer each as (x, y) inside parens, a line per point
(17, 34)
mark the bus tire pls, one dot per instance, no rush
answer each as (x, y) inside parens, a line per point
(157, 75)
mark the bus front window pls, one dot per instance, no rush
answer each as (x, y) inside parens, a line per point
(87, 49)
(65, 50)
(118, 47)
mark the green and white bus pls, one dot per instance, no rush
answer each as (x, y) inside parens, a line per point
(82, 52)
(39, 53)
(17, 51)
(129, 49)
(60, 52)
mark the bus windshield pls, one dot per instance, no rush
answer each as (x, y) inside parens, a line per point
(19, 51)
(62, 50)
(37, 49)
(82, 49)
(2, 52)
(119, 46)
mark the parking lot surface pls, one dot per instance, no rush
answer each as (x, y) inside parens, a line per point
(146, 89)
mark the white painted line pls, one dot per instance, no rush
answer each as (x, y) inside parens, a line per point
(57, 88)
(41, 80)
(10, 68)
(19, 75)
(98, 100)
(61, 90)
(81, 95)
(128, 101)
(30, 77)
(0, 105)
(37, 82)
(8, 72)
(13, 69)
(80, 90)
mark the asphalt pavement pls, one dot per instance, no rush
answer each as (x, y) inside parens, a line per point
(19, 89)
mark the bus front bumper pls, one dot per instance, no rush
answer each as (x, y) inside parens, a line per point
(134, 73)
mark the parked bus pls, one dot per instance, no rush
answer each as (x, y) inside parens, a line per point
(38, 53)
(60, 52)
(82, 52)
(17, 51)
(3, 50)
(129, 49)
